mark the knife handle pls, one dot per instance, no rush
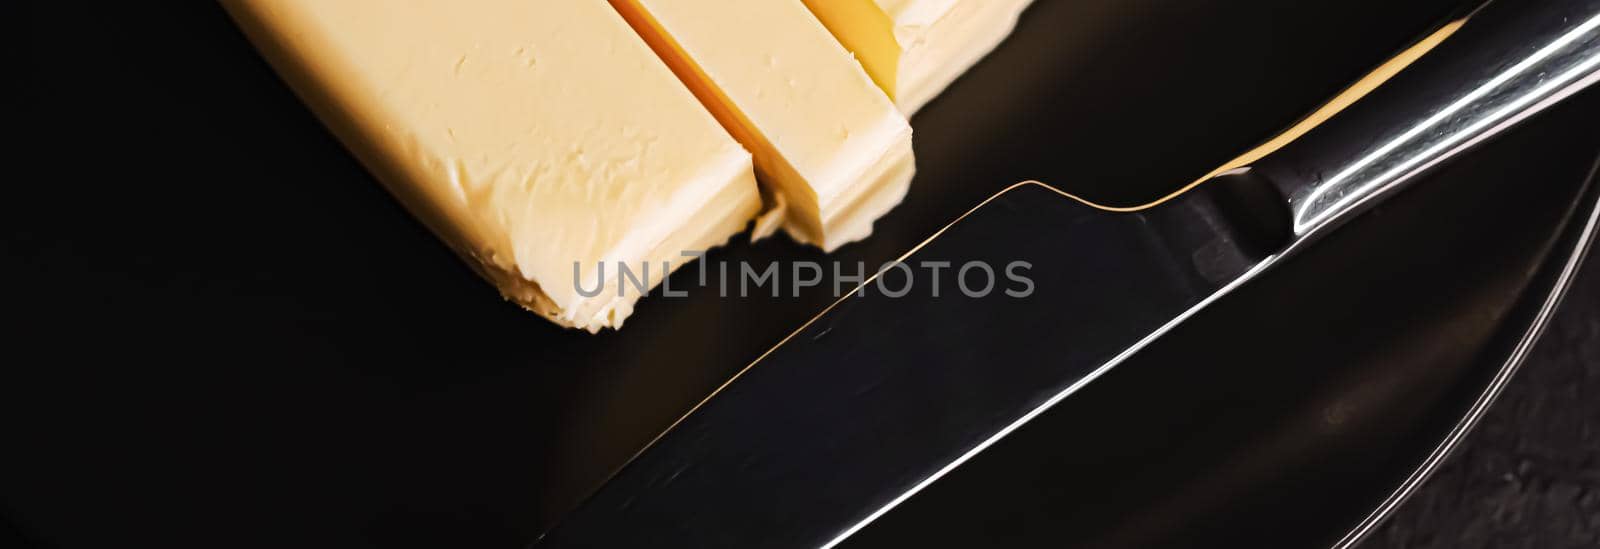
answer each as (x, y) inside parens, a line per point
(1506, 61)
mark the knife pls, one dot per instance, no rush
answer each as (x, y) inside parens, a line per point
(843, 420)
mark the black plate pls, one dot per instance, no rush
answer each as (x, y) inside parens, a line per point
(232, 336)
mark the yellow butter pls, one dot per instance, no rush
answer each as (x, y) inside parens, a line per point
(831, 148)
(916, 48)
(539, 138)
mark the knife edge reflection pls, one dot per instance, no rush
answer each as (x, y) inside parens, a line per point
(751, 450)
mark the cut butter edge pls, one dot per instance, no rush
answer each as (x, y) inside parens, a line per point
(831, 149)
(914, 49)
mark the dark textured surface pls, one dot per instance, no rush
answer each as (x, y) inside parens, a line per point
(1530, 475)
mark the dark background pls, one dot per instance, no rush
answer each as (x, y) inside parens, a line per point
(229, 335)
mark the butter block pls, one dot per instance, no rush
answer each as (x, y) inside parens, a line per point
(832, 151)
(540, 139)
(914, 49)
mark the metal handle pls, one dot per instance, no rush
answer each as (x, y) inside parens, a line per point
(1507, 61)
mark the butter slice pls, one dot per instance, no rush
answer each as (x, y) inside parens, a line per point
(830, 147)
(538, 138)
(914, 49)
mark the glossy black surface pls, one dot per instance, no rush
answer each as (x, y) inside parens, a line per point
(888, 386)
(232, 336)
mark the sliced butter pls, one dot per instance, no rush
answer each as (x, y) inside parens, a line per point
(829, 145)
(916, 48)
(539, 138)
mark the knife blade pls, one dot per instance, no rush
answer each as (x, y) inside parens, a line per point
(844, 420)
